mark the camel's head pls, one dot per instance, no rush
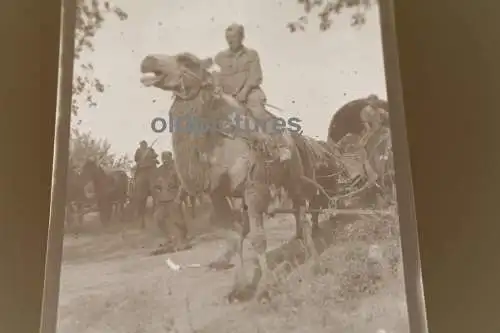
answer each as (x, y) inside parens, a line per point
(181, 74)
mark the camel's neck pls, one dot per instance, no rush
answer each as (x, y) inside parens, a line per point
(191, 146)
(206, 106)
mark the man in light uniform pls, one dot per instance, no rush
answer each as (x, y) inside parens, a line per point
(372, 117)
(241, 76)
(241, 73)
(166, 185)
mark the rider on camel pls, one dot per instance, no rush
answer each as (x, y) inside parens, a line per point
(241, 76)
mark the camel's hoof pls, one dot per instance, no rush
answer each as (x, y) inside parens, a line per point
(163, 249)
(242, 294)
(263, 296)
(220, 265)
(299, 237)
(183, 247)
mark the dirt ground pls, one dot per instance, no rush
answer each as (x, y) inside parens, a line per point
(111, 283)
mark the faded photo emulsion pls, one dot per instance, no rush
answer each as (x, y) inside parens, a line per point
(230, 171)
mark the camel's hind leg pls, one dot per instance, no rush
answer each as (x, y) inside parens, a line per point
(241, 288)
(297, 204)
(317, 203)
(192, 206)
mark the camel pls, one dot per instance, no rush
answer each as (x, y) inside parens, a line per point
(226, 163)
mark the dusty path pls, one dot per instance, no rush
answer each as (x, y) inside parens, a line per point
(110, 283)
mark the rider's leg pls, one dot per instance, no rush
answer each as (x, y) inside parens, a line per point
(268, 126)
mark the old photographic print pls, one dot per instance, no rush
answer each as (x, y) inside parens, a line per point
(230, 170)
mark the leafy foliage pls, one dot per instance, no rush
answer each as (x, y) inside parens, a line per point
(90, 15)
(84, 146)
(327, 9)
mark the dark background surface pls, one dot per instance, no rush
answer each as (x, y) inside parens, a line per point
(449, 53)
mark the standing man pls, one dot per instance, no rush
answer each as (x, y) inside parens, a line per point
(167, 186)
(374, 132)
(167, 159)
(146, 160)
(373, 118)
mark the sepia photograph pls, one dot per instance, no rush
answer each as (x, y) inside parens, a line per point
(230, 170)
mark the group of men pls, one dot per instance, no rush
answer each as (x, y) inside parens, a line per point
(162, 176)
(146, 160)
(162, 179)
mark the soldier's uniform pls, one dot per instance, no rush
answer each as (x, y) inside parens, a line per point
(167, 186)
(146, 161)
(243, 69)
(372, 117)
(145, 158)
(353, 157)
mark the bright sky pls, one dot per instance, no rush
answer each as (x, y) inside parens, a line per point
(308, 74)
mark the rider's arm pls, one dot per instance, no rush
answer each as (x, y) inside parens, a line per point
(216, 72)
(254, 78)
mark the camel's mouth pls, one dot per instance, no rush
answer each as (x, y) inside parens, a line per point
(159, 79)
(152, 78)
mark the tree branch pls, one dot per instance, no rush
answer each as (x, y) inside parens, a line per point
(327, 9)
(90, 15)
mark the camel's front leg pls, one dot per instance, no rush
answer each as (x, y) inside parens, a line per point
(192, 206)
(241, 288)
(223, 217)
(256, 198)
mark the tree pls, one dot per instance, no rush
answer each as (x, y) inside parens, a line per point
(327, 9)
(90, 15)
(84, 146)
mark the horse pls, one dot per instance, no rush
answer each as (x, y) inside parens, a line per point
(110, 189)
(75, 196)
(330, 175)
(226, 165)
